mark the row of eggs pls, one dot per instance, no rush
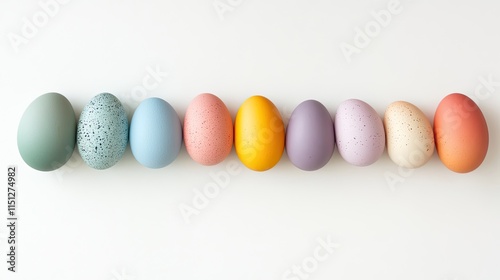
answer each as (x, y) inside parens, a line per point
(49, 131)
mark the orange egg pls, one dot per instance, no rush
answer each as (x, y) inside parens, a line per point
(461, 133)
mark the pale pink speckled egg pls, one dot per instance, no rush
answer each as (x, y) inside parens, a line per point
(359, 132)
(208, 130)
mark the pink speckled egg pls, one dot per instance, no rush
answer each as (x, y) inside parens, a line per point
(208, 130)
(360, 133)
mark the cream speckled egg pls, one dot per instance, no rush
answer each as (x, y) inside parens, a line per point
(208, 130)
(409, 135)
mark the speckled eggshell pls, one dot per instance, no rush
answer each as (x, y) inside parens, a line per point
(102, 132)
(310, 137)
(208, 130)
(409, 134)
(359, 133)
(155, 133)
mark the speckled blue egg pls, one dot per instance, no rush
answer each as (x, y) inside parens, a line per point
(310, 138)
(360, 133)
(102, 132)
(155, 133)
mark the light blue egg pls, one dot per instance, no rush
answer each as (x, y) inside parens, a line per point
(155, 133)
(102, 132)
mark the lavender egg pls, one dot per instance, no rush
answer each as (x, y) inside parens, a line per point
(310, 138)
(360, 133)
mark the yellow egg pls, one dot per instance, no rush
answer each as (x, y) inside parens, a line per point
(259, 133)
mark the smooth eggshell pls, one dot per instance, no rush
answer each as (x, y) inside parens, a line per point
(46, 134)
(155, 133)
(409, 135)
(310, 139)
(461, 133)
(359, 133)
(259, 134)
(208, 130)
(102, 132)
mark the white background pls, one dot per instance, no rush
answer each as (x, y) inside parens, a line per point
(125, 222)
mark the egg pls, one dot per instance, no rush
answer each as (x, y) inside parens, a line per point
(259, 134)
(102, 132)
(155, 133)
(310, 138)
(461, 133)
(208, 130)
(409, 135)
(46, 134)
(359, 133)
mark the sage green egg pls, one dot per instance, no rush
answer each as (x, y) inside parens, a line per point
(46, 135)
